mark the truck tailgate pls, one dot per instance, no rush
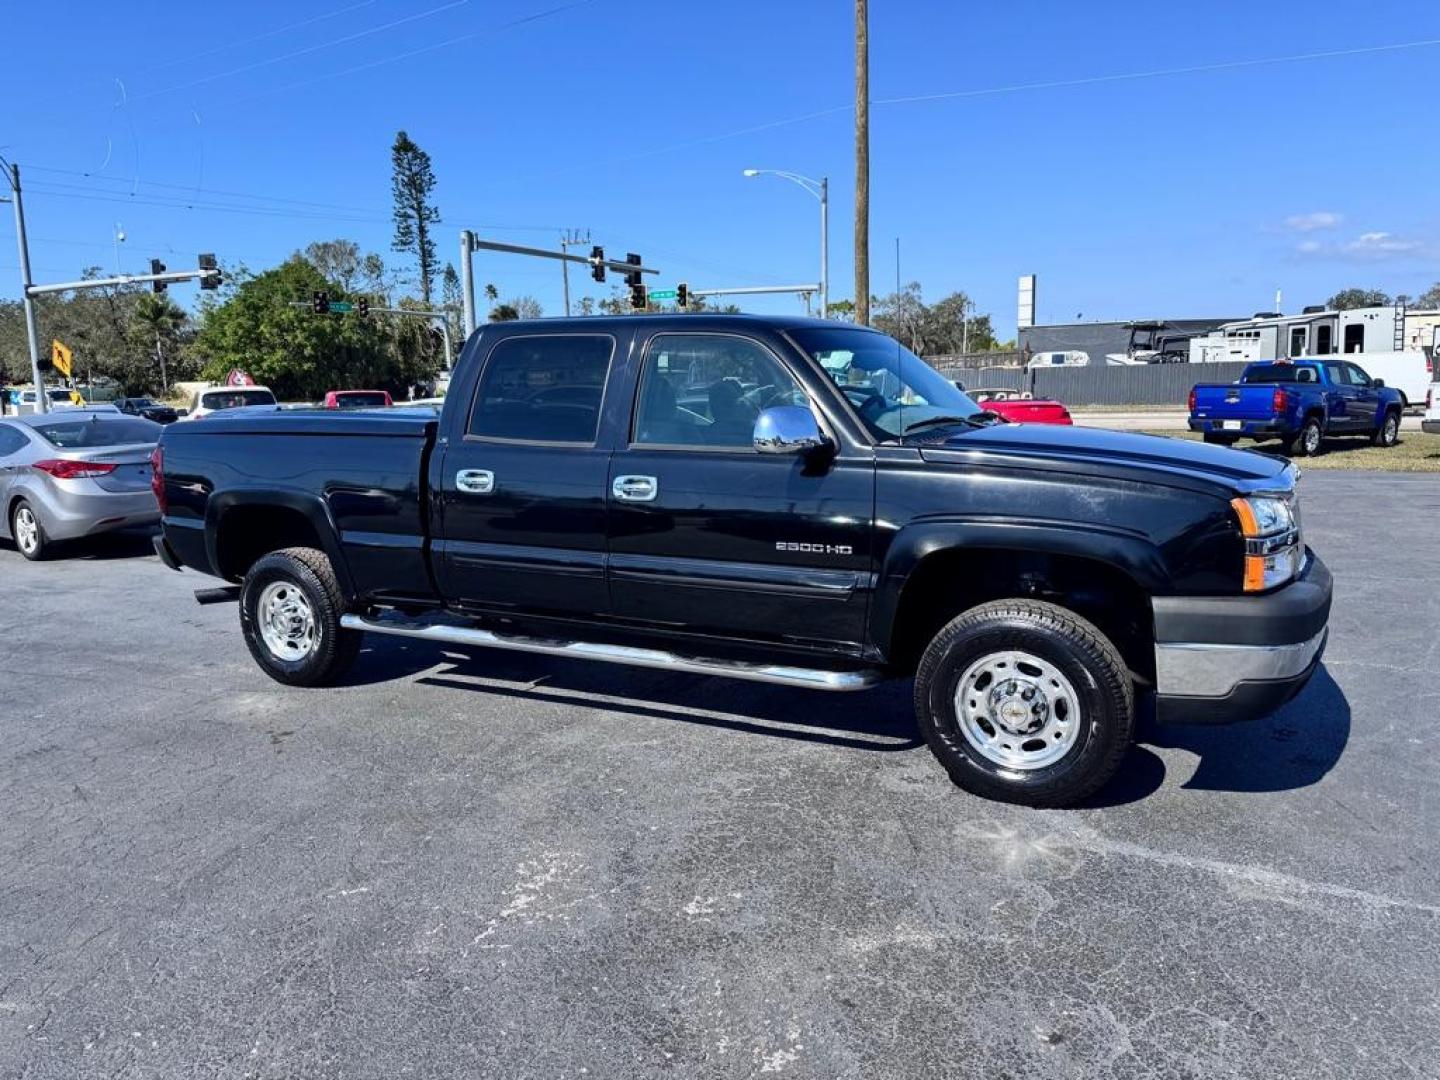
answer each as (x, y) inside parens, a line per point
(1233, 401)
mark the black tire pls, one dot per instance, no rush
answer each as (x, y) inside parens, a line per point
(35, 549)
(326, 651)
(1308, 442)
(1098, 677)
(1219, 440)
(1388, 433)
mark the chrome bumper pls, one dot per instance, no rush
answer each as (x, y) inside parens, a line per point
(1203, 670)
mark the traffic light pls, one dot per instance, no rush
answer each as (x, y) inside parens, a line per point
(682, 296)
(211, 278)
(597, 263)
(638, 300)
(363, 306)
(321, 302)
(632, 277)
(157, 267)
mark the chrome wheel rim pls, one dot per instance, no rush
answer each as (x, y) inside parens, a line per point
(27, 530)
(287, 621)
(1017, 710)
(1312, 439)
(1392, 428)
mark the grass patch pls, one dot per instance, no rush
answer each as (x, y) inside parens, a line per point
(1415, 452)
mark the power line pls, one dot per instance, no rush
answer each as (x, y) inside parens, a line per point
(816, 114)
(342, 40)
(1194, 69)
(398, 57)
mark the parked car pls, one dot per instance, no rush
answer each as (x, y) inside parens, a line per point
(1065, 358)
(1299, 402)
(74, 473)
(217, 398)
(1020, 407)
(149, 408)
(358, 399)
(1431, 424)
(833, 512)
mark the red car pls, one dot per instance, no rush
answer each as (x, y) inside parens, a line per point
(1019, 407)
(358, 399)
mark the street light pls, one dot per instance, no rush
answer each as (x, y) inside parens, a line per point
(820, 189)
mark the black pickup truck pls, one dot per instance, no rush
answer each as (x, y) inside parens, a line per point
(786, 500)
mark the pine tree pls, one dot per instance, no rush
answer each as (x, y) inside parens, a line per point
(411, 184)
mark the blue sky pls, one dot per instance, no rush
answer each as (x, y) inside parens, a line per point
(253, 129)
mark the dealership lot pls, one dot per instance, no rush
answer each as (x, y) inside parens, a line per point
(498, 865)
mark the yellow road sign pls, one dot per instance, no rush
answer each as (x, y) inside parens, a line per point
(60, 357)
(75, 398)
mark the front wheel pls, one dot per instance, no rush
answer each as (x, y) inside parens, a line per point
(1025, 702)
(1388, 433)
(290, 608)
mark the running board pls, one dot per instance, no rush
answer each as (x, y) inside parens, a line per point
(810, 678)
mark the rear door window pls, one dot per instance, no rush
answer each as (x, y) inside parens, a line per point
(543, 388)
(11, 440)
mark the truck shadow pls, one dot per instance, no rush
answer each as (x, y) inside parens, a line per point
(880, 720)
(1292, 749)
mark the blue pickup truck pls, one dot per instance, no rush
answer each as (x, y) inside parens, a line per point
(1299, 402)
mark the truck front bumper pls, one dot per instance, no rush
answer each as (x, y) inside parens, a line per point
(1219, 660)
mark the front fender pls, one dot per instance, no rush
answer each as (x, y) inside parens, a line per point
(1133, 555)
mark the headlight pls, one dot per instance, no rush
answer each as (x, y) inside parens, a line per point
(1273, 549)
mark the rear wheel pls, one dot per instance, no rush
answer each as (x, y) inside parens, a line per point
(1388, 433)
(1025, 702)
(290, 608)
(28, 533)
(1307, 443)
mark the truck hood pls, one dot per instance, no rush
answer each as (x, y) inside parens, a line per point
(1092, 449)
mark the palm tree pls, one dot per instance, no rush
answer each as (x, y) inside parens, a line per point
(160, 316)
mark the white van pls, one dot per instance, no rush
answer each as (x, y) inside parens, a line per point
(1408, 371)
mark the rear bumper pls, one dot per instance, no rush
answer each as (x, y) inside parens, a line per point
(1253, 428)
(1219, 660)
(167, 555)
(71, 514)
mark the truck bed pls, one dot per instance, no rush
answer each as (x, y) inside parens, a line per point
(362, 472)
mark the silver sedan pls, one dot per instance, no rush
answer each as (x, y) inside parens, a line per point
(74, 473)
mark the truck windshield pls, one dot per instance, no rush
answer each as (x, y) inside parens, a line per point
(892, 389)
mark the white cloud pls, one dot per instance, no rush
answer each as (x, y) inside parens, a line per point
(1319, 219)
(1309, 247)
(1380, 244)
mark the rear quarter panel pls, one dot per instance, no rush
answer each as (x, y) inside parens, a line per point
(358, 480)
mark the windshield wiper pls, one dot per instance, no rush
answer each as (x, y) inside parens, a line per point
(936, 421)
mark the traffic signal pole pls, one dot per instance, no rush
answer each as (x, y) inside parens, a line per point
(470, 243)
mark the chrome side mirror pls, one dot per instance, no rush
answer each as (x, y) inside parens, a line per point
(787, 429)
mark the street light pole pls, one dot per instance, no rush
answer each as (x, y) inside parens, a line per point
(42, 402)
(820, 189)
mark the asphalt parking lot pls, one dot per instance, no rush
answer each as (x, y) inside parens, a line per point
(506, 866)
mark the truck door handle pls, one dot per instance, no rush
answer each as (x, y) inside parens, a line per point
(475, 481)
(635, 488)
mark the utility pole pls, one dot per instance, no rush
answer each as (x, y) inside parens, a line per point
(570, 238)
(862, 162)
(42, 401)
